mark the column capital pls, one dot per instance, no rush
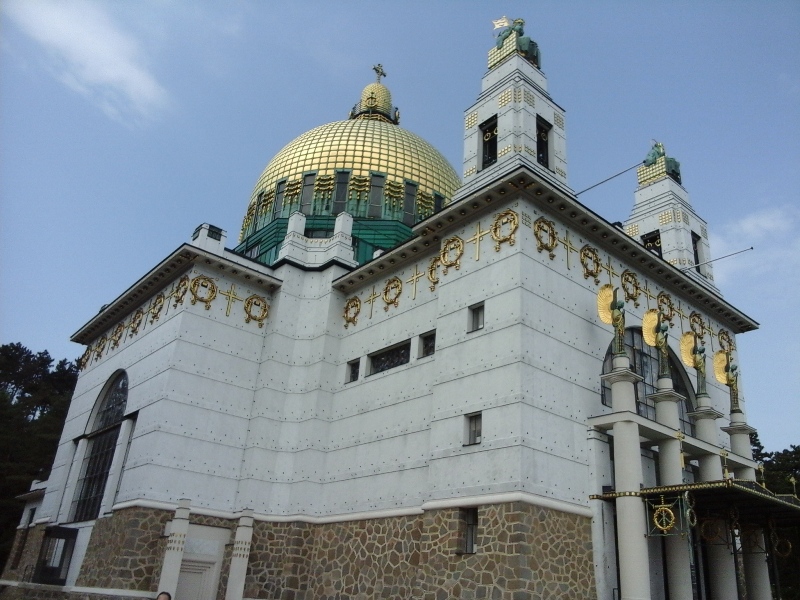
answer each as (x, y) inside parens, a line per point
(705, 412)
(618, 375)
(737, 428)
(666, 396)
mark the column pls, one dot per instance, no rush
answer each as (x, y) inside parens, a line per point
(634, 560)
(722, 571)
(670, 462)
(756, 569)
(240, 556)
(115, 470)
(173, 556)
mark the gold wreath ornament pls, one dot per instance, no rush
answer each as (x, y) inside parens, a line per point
(588, 253)
(605, 296)
(83, 361)
(136, 321)
(649, 326)
(541, 228)
(666, 306)
(452, 251)
(725, 340)
(631, 287)
(180, 291)
(156, 307)
(99, 347)
(664, 518)
(351, 310)
(208, 293)
(256, 302)
(116, 335)
(432, 268)
(391, 292)
(507, 217)
(697, 324)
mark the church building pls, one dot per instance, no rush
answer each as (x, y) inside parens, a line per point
(404, 381)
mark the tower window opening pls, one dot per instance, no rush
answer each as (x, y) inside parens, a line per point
(307, 195)
(340, 192)
(469, 528)
(375, 209)
(277, 206)
(489, 142)
(652, 241)
(543, 142)
(697, 252)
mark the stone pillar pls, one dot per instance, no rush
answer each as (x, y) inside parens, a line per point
(670, 464)
(240, 556)
(173, 556)
(756, 570)
(721, 567)
(634, 560)
(115, 470)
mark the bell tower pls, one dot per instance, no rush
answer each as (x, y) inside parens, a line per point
(514, 121)
(664, 221)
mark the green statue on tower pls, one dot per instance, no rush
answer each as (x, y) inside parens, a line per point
(525, 45)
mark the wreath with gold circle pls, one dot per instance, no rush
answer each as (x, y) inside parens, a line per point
(259, 302)
(201, 282)
(454, 245)
(590, 255)
(697, 325)
(507, 217)
(391, 292)
(664, 518)
(725, 340)
(432, 268)
(709, 529)
(99, 347)
(352, 308)
(116, 335)
(541, 228)
(666, 306)
(631, 287)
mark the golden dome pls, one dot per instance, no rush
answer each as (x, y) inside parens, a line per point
(366, 146)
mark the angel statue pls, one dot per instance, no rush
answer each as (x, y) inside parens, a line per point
(727, 373)
(612, 312)
(525, 45)
(655, 330)
(693, 354)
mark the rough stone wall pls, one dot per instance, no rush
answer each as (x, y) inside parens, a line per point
(126, 550)
(523, 552)
(279, 561)
(30, 554)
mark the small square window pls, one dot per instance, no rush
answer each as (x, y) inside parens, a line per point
(428, 344)
(474, 426)
(475, 317)
(469, 528)
(353, 370)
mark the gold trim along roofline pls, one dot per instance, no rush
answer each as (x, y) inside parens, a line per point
(169, 269)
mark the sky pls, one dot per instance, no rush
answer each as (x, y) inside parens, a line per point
(124, 125)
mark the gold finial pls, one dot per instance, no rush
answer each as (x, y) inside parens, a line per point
(724, 455)
(379, 72)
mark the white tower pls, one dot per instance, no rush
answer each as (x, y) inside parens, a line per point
(514, 118)
(664, 221)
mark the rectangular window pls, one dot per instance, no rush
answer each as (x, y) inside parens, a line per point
(469, 527)
(474, 427)
(375, 210)
(409, 203)
(543, 142)
(352, 370)
(253, 252)
(475, 317)
(340, 193)
(390, 358)
(427, 344)
(697, 252)
(277, 205)
(55, 556)
(488, 131)
(307, 194)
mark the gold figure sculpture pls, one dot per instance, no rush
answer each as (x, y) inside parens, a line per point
(611, 311)
(655, 329)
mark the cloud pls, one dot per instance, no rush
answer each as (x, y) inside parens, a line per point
(91, 55)
(772, 233)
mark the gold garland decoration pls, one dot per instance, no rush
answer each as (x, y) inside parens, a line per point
(697, 324)
(588, 253)
(352, 308)
(201, 282)
(99, 347)
(631, 287)
(259, 302)
(180, 291)
(116, 335)
(725, 340)
(391, 292)
(435, 262)
(507, 217)
(136, 321)
(543, 227)
(83, 361)
(156, 307)
(454, 244)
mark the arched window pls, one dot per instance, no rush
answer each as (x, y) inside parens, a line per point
(644, 362)
(102, 440)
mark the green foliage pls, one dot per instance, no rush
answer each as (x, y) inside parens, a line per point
(34, 398)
